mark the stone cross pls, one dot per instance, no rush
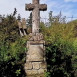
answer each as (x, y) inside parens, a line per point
(36, 7)
(35, 65)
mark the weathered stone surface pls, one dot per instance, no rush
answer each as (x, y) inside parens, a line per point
(38, 75)
(36, 42)
(36, 65)
(36, 55)
(22, 27)
(36, 36)
(35, 52)
(28, 66)
(41, 71)
(24, 23)
(43, 65)
(28, 57)
(43, 7)
(36, 8)
(19, 24)
(31, 72)
(29, 7)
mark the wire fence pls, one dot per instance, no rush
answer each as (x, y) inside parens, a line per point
(67, 19)
(61, 20)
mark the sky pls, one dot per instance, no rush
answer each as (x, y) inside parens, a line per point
(67, 7)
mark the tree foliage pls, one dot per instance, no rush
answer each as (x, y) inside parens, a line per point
(61, 49)
(12, 48)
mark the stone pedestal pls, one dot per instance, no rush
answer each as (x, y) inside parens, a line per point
(35, 59)
(35, 65)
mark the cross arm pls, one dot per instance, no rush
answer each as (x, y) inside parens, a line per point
(42, 7)
(29, 7)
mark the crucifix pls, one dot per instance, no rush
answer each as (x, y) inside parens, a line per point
(36, 7)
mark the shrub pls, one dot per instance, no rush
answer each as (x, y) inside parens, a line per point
(61, 50)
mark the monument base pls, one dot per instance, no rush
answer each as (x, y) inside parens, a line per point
(35, 65)
(38, 75)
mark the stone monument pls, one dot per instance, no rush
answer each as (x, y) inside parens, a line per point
(22, 27)
(35, 65)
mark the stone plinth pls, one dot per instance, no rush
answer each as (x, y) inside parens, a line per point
(35, 58)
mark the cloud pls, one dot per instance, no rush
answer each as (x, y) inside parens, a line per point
(66, 6)
(7, 7)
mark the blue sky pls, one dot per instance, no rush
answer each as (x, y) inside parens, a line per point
(68, 7)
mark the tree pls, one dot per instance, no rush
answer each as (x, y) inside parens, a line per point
(29, 20)
(12, 48)
(50, 17)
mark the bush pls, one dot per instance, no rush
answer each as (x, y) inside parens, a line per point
(59, 59)
(12, 58)
(61, 49)
(12, 48)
